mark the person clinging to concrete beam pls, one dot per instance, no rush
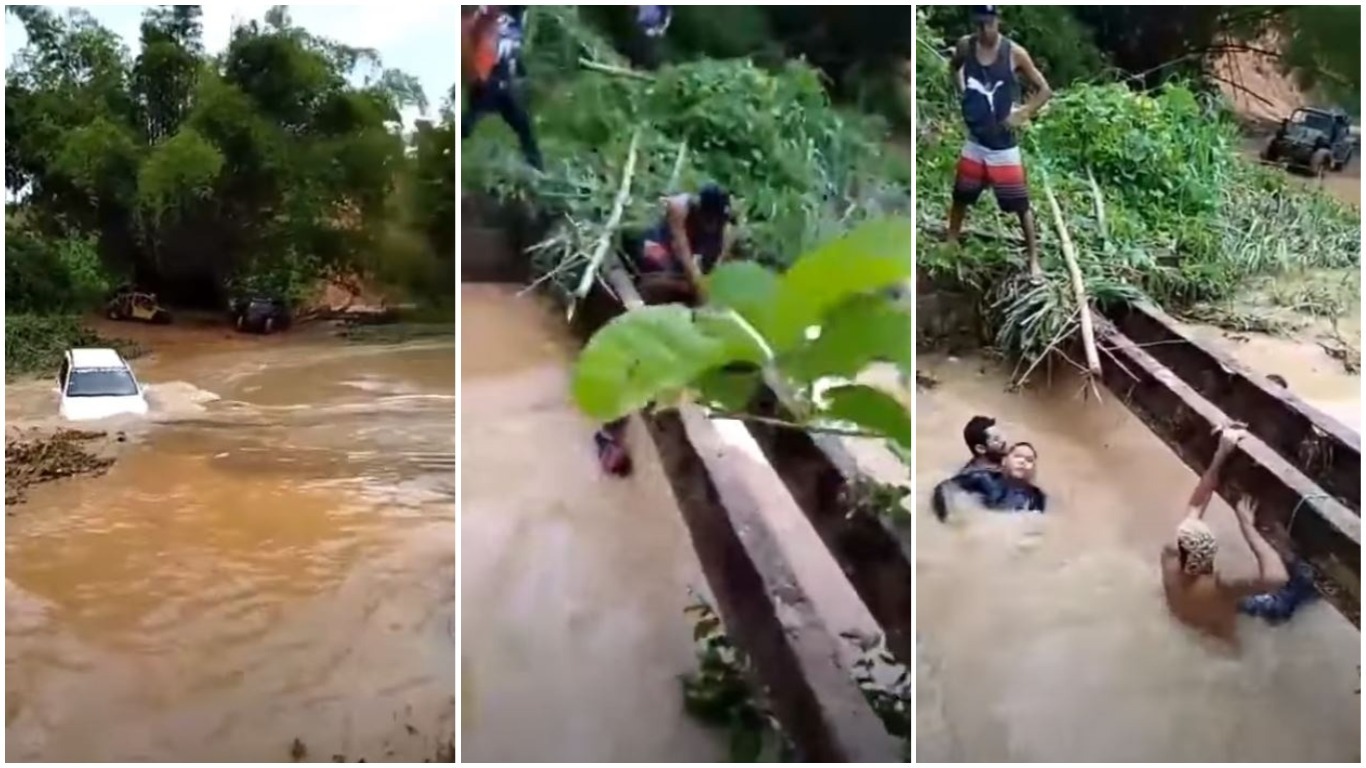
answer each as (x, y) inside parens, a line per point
(1197, 593)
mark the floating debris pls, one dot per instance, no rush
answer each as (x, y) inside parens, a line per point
(53, 456)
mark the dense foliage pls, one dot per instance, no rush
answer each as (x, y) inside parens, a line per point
(801, 169)
(272, 164)
(814, 328)
(856, 47)
(1186, 218)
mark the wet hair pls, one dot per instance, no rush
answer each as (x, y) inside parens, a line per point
(1197, 546)
(1276, 378)
(975, 432)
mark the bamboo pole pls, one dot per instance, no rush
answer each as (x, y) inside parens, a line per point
(1069, 253)
(678, 167)
(1099, 199)
(608, 69)
(613, 221)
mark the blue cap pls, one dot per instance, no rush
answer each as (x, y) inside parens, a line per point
(983, 10)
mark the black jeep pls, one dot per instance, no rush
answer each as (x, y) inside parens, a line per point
(1314, 140)
(260, 314)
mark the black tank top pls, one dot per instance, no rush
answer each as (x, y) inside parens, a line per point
(989, 93)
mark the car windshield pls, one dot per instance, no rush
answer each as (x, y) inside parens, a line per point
(1315, 120)
(101, 382)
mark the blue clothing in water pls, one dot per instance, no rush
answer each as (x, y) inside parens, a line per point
(1279, 606)
(994, 490)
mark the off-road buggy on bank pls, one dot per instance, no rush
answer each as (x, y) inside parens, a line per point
(130, 304)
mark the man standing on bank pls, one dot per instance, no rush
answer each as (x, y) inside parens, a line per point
(984, 68)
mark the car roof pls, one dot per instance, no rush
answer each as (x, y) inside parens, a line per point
(94, 357)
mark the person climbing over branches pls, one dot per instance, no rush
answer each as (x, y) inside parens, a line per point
(491, 48)
(694, 234)
(983, 68)
(1197, 594)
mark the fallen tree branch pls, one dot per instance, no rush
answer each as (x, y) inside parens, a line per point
(613, 221)
(1069, 253)
(608, 69)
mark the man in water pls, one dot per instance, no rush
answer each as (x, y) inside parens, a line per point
(1008, 487)
(493, 40)
(694, 234)
(986, 445)
(1197, 594)
(984, 67)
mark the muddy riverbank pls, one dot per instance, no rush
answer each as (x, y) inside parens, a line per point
(270, 561)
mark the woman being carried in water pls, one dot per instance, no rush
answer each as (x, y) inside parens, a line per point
(1007, 488)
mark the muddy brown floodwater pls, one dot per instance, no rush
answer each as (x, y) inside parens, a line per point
(271, 558)
(1045, 638)
(573, 584)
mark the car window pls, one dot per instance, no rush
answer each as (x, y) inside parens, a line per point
(101, 382)
(1317, 121)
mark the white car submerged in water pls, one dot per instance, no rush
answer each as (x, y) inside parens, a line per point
(98, 384)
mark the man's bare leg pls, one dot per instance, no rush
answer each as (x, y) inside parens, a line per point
(1031, 242)
(957, 213)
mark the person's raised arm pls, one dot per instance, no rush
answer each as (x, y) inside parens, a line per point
(957, 60)
(1271, 572)
(1024, 64)
(1204, 490)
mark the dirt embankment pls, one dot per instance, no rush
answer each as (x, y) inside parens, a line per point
(1262, 96)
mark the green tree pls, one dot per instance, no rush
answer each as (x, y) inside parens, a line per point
(266, 166)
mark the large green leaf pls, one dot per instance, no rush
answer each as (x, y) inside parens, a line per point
(863, 330)
(875, 256)
(729, 389)
(748, 288)
(638, 356)
(739, 337)
(871, 409)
